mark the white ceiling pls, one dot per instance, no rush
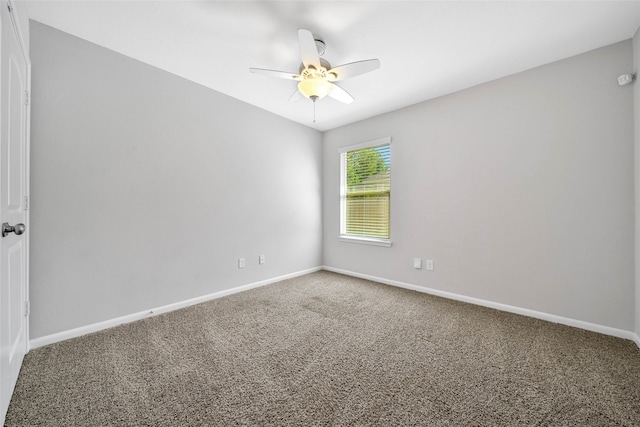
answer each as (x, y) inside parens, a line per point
(426, 48)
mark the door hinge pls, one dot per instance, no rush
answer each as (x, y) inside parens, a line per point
(27, 308)
(26, 203)
(10, 7)
(26, 97)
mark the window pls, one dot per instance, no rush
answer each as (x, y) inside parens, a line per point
(365, 192)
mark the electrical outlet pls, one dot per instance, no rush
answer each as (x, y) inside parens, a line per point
(417, 263)
(261, 259)
(241, 263)
(430, 264)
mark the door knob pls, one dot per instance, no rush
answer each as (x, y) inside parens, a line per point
(18, 229)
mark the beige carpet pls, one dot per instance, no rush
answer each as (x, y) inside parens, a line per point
(326, 349)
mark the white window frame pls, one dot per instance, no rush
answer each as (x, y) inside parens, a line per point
(343, 237)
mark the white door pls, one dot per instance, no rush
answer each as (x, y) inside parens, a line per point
(13, 209)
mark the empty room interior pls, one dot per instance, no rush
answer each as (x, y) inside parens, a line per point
(320, 213)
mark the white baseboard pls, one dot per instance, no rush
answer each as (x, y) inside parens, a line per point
(636, 338)
(95, 327)
(620, 333)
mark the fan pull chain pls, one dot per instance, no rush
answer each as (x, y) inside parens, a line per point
(314, 98)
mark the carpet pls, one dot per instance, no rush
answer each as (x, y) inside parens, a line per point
(331, 350)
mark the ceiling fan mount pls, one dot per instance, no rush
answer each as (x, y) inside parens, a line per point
(321, 46)
(316, 78)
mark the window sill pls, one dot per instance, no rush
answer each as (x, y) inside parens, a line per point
(365, 241)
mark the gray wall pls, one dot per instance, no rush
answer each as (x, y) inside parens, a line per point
(636, 121)
(146, 188)
(521, 190)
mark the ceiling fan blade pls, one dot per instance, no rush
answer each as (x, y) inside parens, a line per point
(340, 94)
(274, 73)
(296, 96)
(308, 49)
(354, 69)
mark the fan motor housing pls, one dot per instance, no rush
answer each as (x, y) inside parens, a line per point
(325, 64)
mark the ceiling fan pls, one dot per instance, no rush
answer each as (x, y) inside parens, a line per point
(316, 78)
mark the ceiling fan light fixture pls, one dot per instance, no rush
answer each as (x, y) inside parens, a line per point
(315, 88)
